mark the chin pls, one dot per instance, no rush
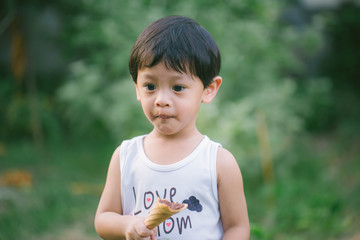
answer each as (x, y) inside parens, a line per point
(166, 131)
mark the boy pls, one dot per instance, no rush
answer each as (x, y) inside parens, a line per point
(174, 64)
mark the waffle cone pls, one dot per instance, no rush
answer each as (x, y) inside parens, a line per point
(159, 213)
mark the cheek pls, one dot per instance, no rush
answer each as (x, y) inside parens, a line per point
(145, 105)
(191, 106)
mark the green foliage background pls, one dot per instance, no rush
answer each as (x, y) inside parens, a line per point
(76, 102)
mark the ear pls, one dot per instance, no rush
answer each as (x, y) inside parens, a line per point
(137, 92)
(211, 91)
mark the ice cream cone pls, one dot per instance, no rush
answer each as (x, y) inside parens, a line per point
(160, 212)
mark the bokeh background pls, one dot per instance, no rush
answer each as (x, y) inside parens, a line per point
(288, 109)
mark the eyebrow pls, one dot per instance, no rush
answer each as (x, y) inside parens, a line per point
(172, 77)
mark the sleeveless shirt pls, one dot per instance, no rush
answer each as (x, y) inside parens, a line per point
(193, 180)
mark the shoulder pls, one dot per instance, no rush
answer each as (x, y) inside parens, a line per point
(131, 142)
(226, 164)
(128, 144)
(225, 157)
(115, 159)
(119, 153)
(116, 153)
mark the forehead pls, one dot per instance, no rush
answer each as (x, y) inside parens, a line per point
(162, 71)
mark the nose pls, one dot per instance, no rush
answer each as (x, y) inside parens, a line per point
(163, 99)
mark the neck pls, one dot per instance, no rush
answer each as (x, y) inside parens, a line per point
(187, 135)
(170, 149)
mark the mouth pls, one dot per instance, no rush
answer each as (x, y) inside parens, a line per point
(164, 116)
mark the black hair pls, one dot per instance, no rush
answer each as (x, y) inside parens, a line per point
(181, 44)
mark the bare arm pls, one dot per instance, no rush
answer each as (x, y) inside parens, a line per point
(109, 221)
(233, 207)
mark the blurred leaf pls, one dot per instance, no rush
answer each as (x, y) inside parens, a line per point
(16, 178)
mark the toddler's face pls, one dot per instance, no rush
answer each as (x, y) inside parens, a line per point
(169, 99)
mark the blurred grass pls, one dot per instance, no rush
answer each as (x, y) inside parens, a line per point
(317, 195)
(316, 190)
(67, 182)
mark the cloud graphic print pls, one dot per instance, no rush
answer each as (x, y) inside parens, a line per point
(193, 204)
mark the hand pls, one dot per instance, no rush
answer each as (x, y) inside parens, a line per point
(138, 231)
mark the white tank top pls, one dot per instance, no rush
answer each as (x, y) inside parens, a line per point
(193, 180)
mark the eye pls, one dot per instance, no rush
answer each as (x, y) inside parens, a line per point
(150, 87)
(178, 88)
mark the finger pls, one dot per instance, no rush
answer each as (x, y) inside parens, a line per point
(145, 233)
(153, 236)
(141, 238)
